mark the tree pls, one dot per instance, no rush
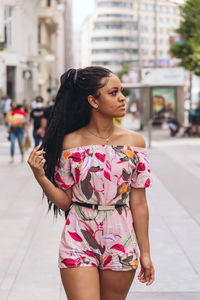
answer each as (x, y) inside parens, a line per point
(125, 69)
(187, 49)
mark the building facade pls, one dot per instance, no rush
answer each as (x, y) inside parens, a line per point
(18, 46)
(50, 46)
(134, 32)
(35, 47)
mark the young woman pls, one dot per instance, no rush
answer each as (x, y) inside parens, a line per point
(16, 120)
(97, 173)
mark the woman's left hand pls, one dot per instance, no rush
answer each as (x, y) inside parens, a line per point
(147, 273)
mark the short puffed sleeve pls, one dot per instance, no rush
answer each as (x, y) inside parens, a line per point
(141, 176)
(63, 176)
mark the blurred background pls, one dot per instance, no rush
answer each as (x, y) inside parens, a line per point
(154, 48)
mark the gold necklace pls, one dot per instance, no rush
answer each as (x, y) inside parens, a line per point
(104, 138)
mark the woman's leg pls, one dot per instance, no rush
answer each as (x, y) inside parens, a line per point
(115, 284)
(81, 283)
(12, 145)
(37, 138)
(20, 141)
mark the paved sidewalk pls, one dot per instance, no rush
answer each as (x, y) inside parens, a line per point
(30, 237)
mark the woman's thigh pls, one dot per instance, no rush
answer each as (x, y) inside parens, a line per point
(81, 283)
(115, 284)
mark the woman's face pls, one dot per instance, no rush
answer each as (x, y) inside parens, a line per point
(13, 105)
(112, 101)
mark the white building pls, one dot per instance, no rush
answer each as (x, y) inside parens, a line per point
(18, 45)
(157, 22)
(136, 32)
(35, 47)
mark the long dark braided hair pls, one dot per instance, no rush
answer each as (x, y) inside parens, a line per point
(71, 112)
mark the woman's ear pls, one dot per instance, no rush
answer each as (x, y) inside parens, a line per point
(92, 101)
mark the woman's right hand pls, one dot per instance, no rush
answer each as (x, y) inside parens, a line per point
(36, 161)
(147, 272)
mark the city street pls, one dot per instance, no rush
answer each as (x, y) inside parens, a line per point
(30, 237)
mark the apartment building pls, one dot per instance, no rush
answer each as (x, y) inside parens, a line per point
(134, 32)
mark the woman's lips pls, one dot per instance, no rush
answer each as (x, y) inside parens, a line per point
(122, 106)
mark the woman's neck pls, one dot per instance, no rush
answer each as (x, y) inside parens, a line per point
(101, 127)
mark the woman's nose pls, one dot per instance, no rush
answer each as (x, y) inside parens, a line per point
(122, 97)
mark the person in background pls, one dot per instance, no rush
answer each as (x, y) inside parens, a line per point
(197, 118)
(46, 117)
(36, 115)
(174, 125)
(191, 130)
(16, 119)
(6, 105)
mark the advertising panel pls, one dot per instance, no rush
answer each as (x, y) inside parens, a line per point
(163, 103)
(163, 76)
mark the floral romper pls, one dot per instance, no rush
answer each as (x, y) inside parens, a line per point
(101, 174)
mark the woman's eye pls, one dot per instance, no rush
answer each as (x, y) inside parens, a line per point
(114, 93)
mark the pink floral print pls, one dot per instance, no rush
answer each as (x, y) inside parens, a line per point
(101, 174)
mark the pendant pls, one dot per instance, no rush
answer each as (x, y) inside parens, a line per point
(107, 140)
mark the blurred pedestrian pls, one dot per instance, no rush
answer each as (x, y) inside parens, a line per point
(197, 118)
(96, 172)
(36, 115)
(191, 130)
(16, 119)
(174, 125)
(6, 105)
(46, 117)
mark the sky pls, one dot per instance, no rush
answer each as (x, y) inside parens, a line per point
(81, 9)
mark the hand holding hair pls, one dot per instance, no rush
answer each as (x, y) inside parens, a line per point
(36, 161)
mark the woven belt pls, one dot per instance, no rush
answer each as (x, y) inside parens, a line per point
(99, 207)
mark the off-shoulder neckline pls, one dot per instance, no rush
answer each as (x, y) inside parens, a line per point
(101, 145)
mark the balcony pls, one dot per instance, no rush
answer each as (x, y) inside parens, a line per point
(49, 16)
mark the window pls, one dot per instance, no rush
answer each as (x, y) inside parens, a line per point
(144, 41)
(161, 52)
(150, 7)
(114, 51)
(163, 8)
(114, 63)
(124, 16)
(115, 39)
(115, 3)
(158, 8)
(116, 26)
(39, 33)
(144, 28)
(8, 26)
(48, 2)
(144, 51)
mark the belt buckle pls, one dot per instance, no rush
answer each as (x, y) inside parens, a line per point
(106, 207)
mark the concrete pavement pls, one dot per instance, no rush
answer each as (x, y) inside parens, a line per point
(30, 237)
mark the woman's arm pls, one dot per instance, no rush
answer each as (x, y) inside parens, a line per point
(139, 210)
(57, 196)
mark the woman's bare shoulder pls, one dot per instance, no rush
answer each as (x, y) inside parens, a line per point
(134, 138)
(72, 139)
